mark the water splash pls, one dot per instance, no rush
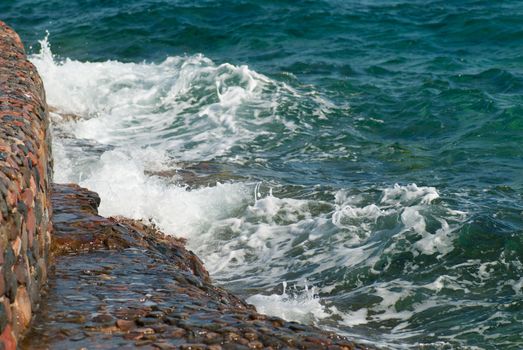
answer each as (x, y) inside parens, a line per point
(292, 305)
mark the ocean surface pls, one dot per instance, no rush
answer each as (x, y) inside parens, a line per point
(357, 165)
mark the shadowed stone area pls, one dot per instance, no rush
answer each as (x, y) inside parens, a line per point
(119, 283)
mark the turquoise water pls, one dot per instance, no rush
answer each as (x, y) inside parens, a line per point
(370, 150)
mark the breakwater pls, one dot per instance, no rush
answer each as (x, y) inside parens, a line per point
(116, 282)
(25, 179)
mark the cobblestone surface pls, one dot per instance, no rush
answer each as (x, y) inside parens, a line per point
(25, 176)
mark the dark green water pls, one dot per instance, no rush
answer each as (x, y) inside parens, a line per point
(341, 100)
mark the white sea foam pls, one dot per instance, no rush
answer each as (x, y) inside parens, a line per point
(353, 318)
(198, 109)
(174, 208)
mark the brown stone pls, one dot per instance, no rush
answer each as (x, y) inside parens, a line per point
(211, 335)
(103, 318)
(133, 336)
(28, 197)
(31, 222)
(250, 336)
(144, 342)
(17, 246)
(242, 341)
(21, 272)
(125, 325)
(255, 345)
(232, 336)
(11, 198)
(25, 242)
(178, 332)
(22, 305)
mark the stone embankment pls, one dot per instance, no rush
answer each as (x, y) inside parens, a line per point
(114, 283)
(25, 180)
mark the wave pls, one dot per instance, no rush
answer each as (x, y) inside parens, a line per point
(211, 107)
(386, 261)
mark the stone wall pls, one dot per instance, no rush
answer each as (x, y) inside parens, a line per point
(25, 183)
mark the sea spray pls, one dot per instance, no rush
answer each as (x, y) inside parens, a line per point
(300, 305)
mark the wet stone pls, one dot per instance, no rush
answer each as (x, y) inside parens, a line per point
(231, 346)
(125, 325)
(133, 336)
(113, 286)
(103, 319)
(144, 331)
(147, 321)
(24, 127)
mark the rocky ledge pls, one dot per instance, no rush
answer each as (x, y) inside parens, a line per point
(118, 283)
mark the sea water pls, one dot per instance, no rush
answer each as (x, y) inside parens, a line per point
(357, 165)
